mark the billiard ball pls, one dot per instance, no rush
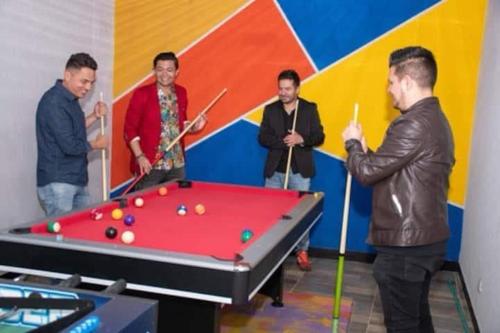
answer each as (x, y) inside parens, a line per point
(246, 235)
(129, 219)
(199, 209)
(111, 232)
(96, 214)
(139, 202)
(128, 237)
(53, 227)
(117, 214)
(181, 210)
(162, 191)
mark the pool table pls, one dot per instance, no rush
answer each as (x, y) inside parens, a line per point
(192, 263)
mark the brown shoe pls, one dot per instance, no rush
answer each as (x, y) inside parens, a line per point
(303, 261)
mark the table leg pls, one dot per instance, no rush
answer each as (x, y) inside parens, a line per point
(274, 287)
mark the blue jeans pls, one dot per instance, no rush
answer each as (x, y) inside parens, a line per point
(60, 198)
(295, 182)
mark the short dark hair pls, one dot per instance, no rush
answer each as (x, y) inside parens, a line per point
(290, 74)
(416, 62)
(81, 60)
(166, 56)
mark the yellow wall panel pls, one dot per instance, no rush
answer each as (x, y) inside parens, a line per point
(453, 30)
(144, 28)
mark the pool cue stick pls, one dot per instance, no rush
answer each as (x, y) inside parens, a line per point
(186, 129)
(103, 158)
(343, 238)
(289, 160)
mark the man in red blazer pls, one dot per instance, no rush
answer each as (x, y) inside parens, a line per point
(155, 117)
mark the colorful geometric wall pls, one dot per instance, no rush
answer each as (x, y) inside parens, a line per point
(340, 49)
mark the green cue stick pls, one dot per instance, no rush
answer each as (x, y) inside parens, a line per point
(343, 238)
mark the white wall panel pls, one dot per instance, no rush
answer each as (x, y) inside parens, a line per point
(36, 39)
(479, 258)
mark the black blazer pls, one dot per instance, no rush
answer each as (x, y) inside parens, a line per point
(272, 131)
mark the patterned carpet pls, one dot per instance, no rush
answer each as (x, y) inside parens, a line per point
(303, 312)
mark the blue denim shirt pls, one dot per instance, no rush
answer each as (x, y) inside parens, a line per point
(62, 138)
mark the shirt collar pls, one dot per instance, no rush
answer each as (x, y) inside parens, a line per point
(64, 91)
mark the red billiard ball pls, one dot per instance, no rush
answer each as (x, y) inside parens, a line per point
(129, 219)
(111, 232)
(139, 202)
(96, 214)
(162, 191)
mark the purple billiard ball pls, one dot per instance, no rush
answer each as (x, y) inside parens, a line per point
(129, 219)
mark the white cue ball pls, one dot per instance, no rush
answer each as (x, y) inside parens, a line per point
(128, 237)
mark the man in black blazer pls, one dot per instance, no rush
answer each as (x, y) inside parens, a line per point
(276, 134)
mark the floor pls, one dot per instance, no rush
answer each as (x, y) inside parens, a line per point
(448, 306)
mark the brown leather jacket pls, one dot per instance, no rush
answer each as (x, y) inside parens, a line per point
(409, 173)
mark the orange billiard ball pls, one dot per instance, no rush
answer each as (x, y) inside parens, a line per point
(162, 191)
(199, 209)
(117, 214)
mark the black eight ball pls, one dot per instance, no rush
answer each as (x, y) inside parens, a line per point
(111, 232)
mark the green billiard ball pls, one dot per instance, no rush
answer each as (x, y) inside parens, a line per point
(246, 235)
(53, 227)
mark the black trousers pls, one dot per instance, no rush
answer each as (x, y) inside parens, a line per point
(156, 177)
(404, 283)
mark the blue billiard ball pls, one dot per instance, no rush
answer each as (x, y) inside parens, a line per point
(181, 210)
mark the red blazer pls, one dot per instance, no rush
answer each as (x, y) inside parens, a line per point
(143, 120)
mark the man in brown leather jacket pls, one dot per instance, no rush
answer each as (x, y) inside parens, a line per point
(409, 173)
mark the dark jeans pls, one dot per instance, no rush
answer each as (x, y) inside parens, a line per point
(156, 177)
(404, 283)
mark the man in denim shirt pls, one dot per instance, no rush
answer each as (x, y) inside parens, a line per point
(62, 138)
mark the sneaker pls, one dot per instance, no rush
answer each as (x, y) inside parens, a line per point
(303, 261)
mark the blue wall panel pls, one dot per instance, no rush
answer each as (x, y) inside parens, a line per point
(344, 26)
